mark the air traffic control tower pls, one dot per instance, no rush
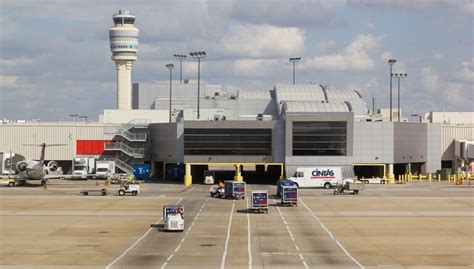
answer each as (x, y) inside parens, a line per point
(124, 46)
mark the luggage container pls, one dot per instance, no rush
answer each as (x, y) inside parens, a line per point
(281, 183)
(234, 189)
(173, 216)
(289, 195)
(260, 201)
(141, 171)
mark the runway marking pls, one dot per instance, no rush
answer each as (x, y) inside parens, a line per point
(224, 255)
(136, 242)
(249, 242)
(186, 234)
(291, 236)
(331, 235)
(190, 190)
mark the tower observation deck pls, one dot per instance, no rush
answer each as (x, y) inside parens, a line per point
(124, 46)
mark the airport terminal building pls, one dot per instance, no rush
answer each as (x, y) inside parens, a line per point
(259, 136)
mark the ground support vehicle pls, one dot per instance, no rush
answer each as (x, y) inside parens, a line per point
(289, 195)
(216, 191)
(209, 177)
(234, 189)
(133, 189)
(373, 180)
(260, 201)
(102, 192)
(173, 216)
(281, 183)
(349, 188)
(8, 182)
(105, 169)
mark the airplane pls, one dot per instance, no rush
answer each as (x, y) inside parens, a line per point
(35, 170)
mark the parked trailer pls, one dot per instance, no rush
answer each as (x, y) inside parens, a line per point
(289, 195)
(260, 201)
(281, 183)
(234, 189)
(102, 192)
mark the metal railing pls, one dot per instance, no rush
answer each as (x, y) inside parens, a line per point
(135, 152)
(133, 137)
(123, 165)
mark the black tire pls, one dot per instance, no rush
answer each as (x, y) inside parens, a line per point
(86, 193)
(382, 181)
(327, 185)
(336, 192)
(356, 192)
(366, 182)
(121, 192)
(134, 193)
(11, 184)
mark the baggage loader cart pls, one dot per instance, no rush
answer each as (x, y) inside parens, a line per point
(289, 195)
(234, 189)
(260, 201)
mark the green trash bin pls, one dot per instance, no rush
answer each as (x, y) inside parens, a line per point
(445, 173)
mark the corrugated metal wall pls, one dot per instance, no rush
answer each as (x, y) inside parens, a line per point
(17, 136)
(451, 132)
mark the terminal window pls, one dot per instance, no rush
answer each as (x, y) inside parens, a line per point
(320, 138)
(205, 141)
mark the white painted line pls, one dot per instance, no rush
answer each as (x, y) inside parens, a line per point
(224, 255)
(184, 238)
(190, 190)
(136, 242)
(249, 241)
(292, 238)
(332, 236)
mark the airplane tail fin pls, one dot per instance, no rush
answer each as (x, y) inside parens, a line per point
(43, 149)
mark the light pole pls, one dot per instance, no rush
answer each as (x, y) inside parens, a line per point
(294, 60)
(391, 62)
(198, 55)
(180, 57)
(170, 67)
(399, 76)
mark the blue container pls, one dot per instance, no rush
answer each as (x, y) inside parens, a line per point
(141, 171)
(281, 183)
(175, 172)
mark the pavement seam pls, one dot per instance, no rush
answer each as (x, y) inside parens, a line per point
(292, 237)
(224, 255)
(137, 241)
(331, 235)
(249, 241)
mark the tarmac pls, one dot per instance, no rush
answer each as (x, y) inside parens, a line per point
(415, 225)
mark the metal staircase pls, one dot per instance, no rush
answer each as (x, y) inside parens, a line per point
(127, 146)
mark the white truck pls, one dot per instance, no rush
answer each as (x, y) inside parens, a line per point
(83, 167)
(105, 169)
(326, 177)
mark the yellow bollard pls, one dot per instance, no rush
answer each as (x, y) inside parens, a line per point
(429, 177)
(188, 179)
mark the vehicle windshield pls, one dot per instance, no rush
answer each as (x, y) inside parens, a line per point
(102, 170)
(80, 168)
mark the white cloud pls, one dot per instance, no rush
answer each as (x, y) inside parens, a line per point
(8, 81)
(262, 41)
(355, 56)
(461, 6)
(429, 79)
(254, 67)
(370, 25)
(466, 71)
(386, 55)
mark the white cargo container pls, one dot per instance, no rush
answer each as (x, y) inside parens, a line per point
(326, 177)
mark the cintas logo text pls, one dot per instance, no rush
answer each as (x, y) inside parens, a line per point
(323, 173)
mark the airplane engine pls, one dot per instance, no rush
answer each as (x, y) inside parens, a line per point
(21, 166)
(53, 166)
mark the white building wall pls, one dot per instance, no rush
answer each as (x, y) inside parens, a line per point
(16, 137)
(451, 132)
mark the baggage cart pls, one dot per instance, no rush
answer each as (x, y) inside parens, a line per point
(281, 183)
(234, 189)
(173, 216)
(289, 195)
(101, 192)
(260, 201)
(349, 188)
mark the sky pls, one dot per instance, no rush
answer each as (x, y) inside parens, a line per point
(55, 56)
